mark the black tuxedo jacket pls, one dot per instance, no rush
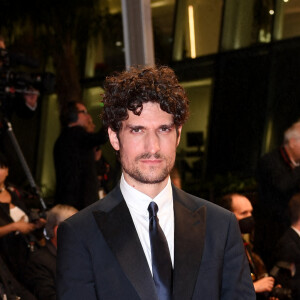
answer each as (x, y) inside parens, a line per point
(288, 249)
(100, 255)
(75, 166)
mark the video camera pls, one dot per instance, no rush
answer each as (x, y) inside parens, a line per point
(12, 82)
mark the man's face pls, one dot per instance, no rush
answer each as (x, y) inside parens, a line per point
(241, 207)
(147, 145)
(84, 118)
(2, 44)
(294, 145)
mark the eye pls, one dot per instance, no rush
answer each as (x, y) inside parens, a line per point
(136, 129)
(165, 128)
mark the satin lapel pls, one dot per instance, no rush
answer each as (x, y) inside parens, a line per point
(188, 248)
(294, 235)
(119, 232)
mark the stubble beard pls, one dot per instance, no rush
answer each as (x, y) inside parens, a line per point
(149, 177)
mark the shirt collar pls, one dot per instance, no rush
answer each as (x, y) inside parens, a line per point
(139, 202)
(297, 231)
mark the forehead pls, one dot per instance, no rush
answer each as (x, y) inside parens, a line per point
(240, 204)
(151, 114)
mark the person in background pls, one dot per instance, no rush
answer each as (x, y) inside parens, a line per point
(102, 166)
(10, 288)
(148, 239)
(13, 106)
(278, 178)
(16, 228)
(288, 247)
(41, 268)
(242, 209)
(74, 157)
(23, 105)
(103, 173)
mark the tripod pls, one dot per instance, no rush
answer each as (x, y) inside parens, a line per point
(8, 127)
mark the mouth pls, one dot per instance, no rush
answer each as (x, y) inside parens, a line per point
(153, 161)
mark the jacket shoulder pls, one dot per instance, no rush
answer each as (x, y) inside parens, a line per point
(193, 203)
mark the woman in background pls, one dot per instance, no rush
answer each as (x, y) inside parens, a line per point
(16, 239)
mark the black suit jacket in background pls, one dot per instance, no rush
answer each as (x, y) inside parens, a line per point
(100, 255)
(75, 166)
(288, 249)
(10, 286)
(40, 272)
(277, 183)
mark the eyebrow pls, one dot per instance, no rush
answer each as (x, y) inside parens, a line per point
(134, 127)
(131, 126)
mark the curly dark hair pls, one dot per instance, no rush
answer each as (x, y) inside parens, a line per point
(128, 90)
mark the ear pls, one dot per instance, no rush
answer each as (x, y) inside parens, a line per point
(178, 134)
(113, 138)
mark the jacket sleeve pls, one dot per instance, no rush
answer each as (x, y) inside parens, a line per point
(236, 279)
(74, 277)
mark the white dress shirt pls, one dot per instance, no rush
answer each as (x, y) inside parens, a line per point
(138, 203)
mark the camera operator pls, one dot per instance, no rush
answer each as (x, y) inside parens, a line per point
(18, 102)
(262, 281)
(17, 229)
(24, 106)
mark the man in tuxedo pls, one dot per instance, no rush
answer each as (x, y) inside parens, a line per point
(116, 248)
(288, 247)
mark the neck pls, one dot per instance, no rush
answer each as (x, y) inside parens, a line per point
(54, 241)
(151, 190)
(296, 225)
(291, 156)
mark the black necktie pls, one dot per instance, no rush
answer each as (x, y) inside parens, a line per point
(161, 260)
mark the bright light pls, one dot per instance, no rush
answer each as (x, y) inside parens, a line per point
(192, 31)
(271, 12)
(285, 1)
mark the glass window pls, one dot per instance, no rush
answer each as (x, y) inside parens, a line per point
(192, 148)
(197, 28)
(287, 21)
(162, 22)
(247, 23)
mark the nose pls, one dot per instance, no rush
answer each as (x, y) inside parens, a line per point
(152, 143)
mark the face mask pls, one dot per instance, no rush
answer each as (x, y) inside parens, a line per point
(246, 224)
